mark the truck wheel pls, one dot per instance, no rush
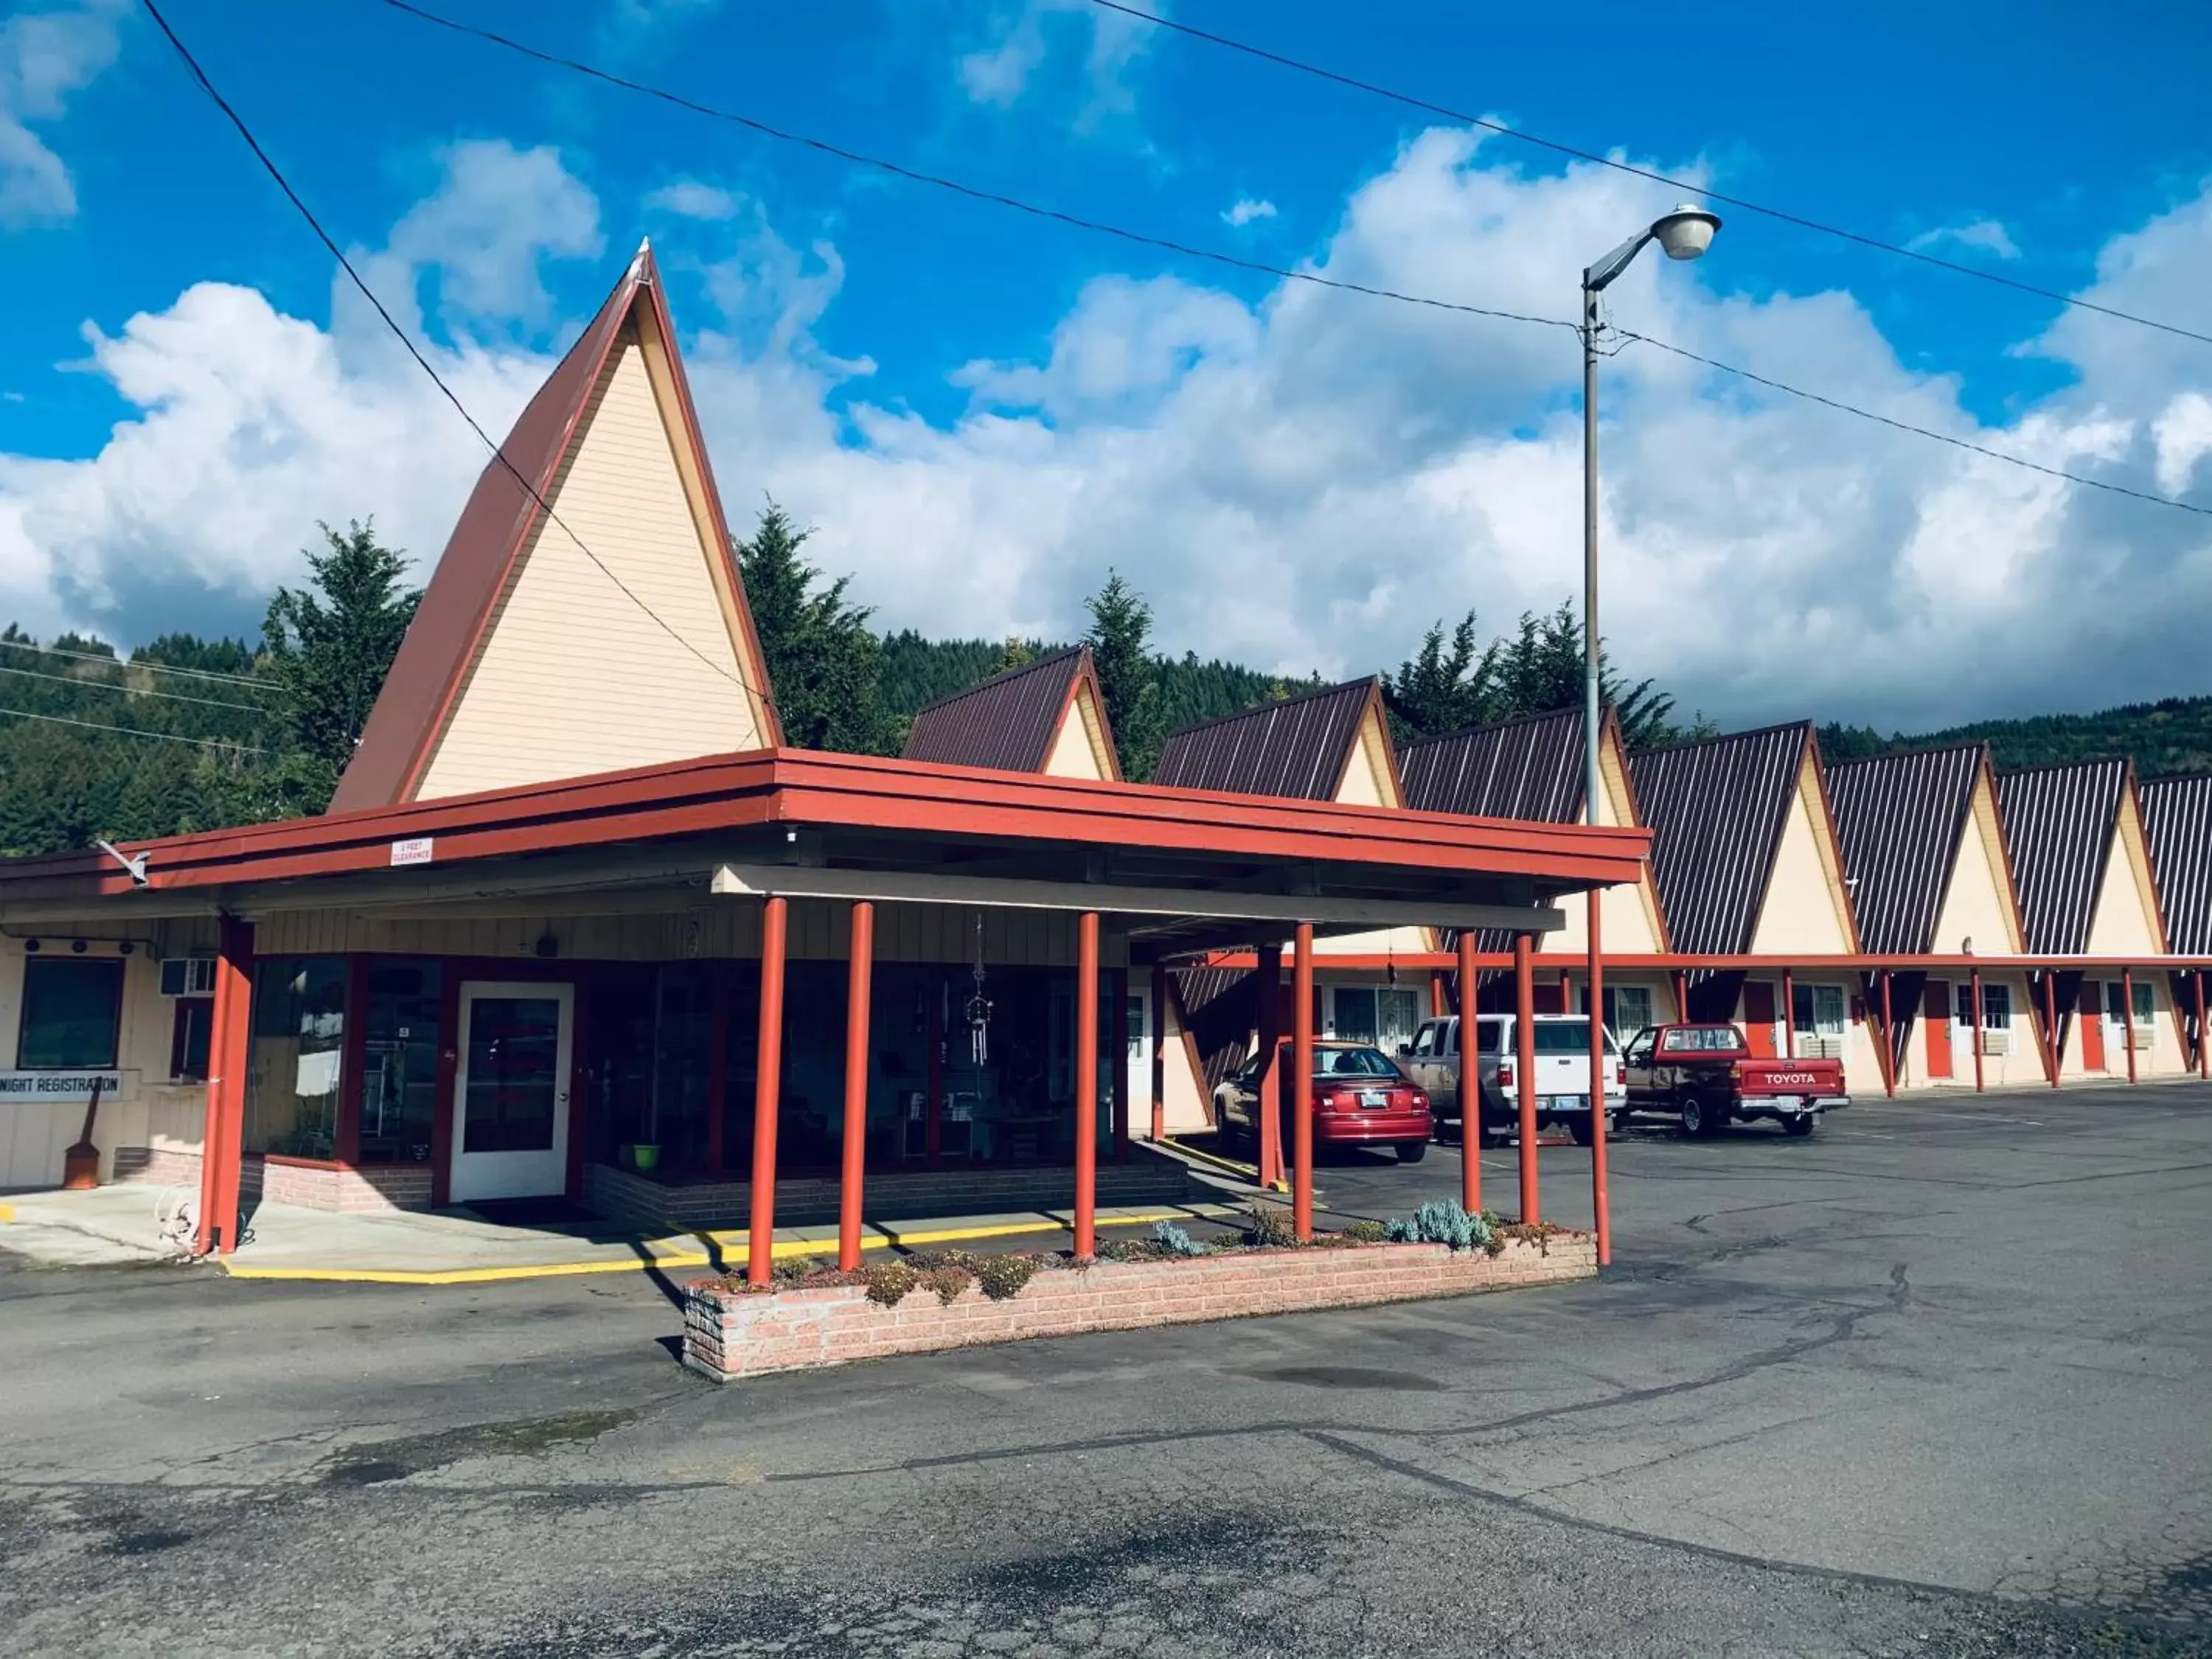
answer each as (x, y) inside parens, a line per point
(1412, 1151)
(1800, 1125)
(1699, 1122)
(1583, 1128)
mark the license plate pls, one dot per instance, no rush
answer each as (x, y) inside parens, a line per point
(1373, 1098)
(1567, 1102)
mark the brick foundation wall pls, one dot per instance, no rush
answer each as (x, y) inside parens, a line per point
(639, 1201)
(363, 1190)
(161, 1166)
(731, 1334)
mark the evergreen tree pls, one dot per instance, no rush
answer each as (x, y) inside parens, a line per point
(824, 664)
(1128, 676)
(328, 647)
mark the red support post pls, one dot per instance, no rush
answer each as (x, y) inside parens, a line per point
(1119, 1048)
(1601, 1210)
(1974, 990)
(1888, 1041)
(2203, 1045)
(1470, 1084)
(1159, 1051)
(1439, 999)
(1524, 1031)
(1302, 1067)
(860, 981)
(1269, 976)
(1681, 995)
(2128, 1015)
(767, 1092)
(1086, 1086)
(2053, 1057)
(229, 1044)
(1789, 1016)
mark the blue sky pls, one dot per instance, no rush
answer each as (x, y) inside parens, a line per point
(981, 412)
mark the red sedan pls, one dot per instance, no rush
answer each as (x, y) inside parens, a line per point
(1360, 1099)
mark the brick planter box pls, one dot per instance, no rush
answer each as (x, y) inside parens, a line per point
(728, 1335)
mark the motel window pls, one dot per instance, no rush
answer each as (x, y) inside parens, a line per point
(1386, 1016)
(1627, 1008)
(1818, 1010)
(191, 1022)
(2116, 1001)
(1997, 1007)
(72, 1009)
(292, 1074)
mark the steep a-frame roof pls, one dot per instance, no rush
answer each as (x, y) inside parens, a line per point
(612, 632)
(1530, 767)
(1899, 819)
(2058, 824)
(1303, 747)
(1717, 810)
(1017, 721)
(2178, 817)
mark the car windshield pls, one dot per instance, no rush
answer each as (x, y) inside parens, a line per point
(1352, 1062)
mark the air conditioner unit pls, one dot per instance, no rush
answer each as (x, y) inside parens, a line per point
(1996, 1043)
(188, 976)
(1814, 1047)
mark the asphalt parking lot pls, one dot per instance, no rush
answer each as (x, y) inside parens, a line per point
(1933, 1381)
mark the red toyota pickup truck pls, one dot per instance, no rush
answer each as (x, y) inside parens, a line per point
(1706, 1076)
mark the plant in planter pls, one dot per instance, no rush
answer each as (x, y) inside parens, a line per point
(1442, 1221)
(645, 1156)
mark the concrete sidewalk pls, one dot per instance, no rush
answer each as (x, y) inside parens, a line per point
(123, 1223)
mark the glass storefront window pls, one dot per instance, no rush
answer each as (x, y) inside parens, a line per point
(399, 1062)
(70, 1009)
(292, 1077)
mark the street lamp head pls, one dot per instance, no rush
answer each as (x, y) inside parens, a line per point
(1686, 232)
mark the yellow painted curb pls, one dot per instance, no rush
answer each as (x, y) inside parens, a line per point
(883, 1237)
(7, 1212)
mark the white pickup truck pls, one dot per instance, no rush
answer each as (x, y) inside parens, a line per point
(1563, 1089)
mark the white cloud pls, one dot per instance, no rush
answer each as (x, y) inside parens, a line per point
(690, 199)
(1245, 209)
(1021, 43)
(1304, 481)
(1988, 235)
(44, 58)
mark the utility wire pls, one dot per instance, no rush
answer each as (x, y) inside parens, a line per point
(499, 453)
(898, 170)
(150, 667)
(1917, 431)
(1779, 215)
(1104, 228)
(132, 730)
(136, 690)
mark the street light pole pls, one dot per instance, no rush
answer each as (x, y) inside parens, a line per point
(1684, 233)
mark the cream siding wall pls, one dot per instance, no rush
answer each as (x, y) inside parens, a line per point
(2125, 920)
(575, 678)
(1802, 915)
(1075, 751)
(1188, 1111)
(1977, 905)
(1631, 913)
(147, 1110)
(1368, 782)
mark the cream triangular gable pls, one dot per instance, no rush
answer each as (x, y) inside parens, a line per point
(1806, 911)
(1630, 912)
(617, 639)
(1978, 915)
(1371, 779)
(1078, 748)
(2125, 923)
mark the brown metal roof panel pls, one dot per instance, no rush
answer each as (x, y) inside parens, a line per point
(1899, 818)
(2177, 819)
(1526, 769)
(2058, 824)
(1007, 722)
(1716, 810)
(1296, 748)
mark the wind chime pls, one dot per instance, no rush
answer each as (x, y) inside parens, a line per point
(979, 1007)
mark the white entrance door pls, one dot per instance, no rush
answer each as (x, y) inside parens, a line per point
(1138, 1055)
(510, 1090)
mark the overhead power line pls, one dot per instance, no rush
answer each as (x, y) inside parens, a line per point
(499, 452)
(133, 690)
(1101, 227)
(138, 663)
(899, 170)
(132, 730)
(1781, 216)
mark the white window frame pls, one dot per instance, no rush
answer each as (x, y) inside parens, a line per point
(195, 976)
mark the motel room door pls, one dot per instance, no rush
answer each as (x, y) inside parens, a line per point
(1936, 1005)
(1137, 1053)
(510, 1090)
(2089, 1005)
(1758, 1016)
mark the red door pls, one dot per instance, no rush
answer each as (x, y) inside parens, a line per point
(1936, 1016)
(2090, 1015)
(1759, 1018)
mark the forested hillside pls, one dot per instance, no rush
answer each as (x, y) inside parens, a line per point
(2174, 735)
(917, 672)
